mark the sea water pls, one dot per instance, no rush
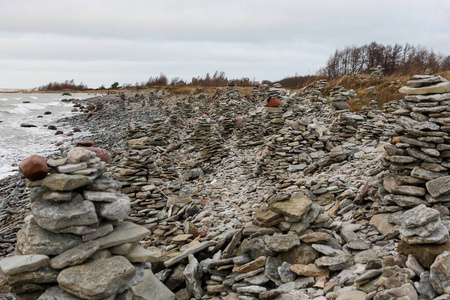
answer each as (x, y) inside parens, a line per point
(17, 143)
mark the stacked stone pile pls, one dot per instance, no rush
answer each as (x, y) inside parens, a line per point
(346, 125)
(418, 155)
(75, 244)
(377, 72)
(232, 93)
(252, 132)
(339, 98)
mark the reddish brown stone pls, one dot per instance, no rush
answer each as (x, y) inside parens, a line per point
(274, 102)
(231, 83)
(257, 84)
(424, 253)
(70, 134)
(102, 153)
(58, 144)
(90, 114)
(90, 107)
(34, 167)
(59, 132)
(76, 130)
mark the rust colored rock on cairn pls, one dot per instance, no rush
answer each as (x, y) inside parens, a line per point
(274, 102)
(34, 167)
(75, 244)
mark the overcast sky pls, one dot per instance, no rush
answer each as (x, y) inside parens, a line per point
(100, 42)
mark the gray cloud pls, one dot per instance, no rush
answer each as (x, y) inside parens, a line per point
(100, 42)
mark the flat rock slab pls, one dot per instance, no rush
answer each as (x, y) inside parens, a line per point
(282, 242)
(57, 293)
(64, 182)
(98, 279)
(296, 207)
(23, 263)
(98, 196)
(188, 251)
(58, 196)
(139, 254)
(55, 216)
(75, 256)
(439, 88)
(309, 270)
(151, 288)
(438, 186)
(124, 232)
(32, 239)
(78, 154)
(42, 275)
(116, 210)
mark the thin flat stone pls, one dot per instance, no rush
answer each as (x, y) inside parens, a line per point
(188, 251)
(69, 168)
(98, 196)
(75, 256)
(58, 196)
(124, 232)
(102, 230)
(64, 182)
(98, 279)
(23, 263)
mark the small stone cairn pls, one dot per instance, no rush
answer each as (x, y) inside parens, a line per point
(377, 72)
(75, 244)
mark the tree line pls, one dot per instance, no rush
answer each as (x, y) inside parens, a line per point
(398, 59)
(65, 85)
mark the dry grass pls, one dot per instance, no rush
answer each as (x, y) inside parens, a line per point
(386, 88)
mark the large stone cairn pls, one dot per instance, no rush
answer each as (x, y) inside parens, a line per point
(252, 132)
(418, 162)
(146, 165)
(75, 244)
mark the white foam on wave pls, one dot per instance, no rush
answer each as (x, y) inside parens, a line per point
(32, 97)
(4, 99)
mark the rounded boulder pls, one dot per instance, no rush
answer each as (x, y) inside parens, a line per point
(34, 167)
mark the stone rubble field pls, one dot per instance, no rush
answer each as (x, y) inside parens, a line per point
(230, 197)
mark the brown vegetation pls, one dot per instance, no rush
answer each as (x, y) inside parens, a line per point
(396, 59)
(68, 85)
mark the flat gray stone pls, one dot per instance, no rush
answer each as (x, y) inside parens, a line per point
(124, 232)
(438, 186)
(100, 196)
(75, 256)
(23, 263)
(151, 288)
(193, 277)
(438, 88)
(281, 242)
(69, 168)
(57, 293)
(58, 196)
(117, 210)
(55, 216)
(102, 230)
(440, 273)
(420, 216)
(191, 250)
(98, 279)
(32, 239)
(64, 182)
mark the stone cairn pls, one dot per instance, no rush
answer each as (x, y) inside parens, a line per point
(75, 244)
(415, 194)
(377, 72)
